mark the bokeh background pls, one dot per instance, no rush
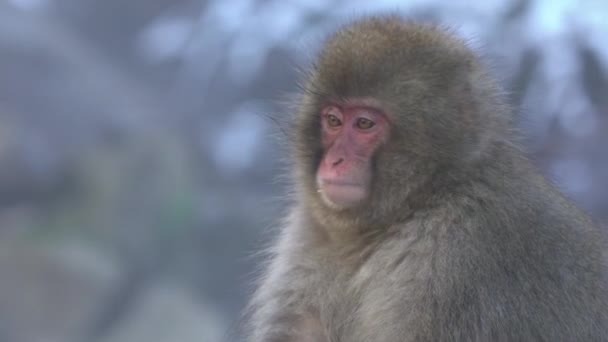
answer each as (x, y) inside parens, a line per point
(139, 170)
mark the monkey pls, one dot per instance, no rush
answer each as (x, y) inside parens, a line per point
(417, 216)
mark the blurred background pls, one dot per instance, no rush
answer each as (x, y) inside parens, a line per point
(139, 170)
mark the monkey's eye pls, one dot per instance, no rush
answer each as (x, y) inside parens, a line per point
(333, 121)
(363, 123)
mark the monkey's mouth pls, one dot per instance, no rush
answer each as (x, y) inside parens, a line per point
(342, 194)
(339, 183)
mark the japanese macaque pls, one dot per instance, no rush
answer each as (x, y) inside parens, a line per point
(417, 217)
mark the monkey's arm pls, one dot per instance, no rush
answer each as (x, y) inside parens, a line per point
(278, 312)
(283, 308)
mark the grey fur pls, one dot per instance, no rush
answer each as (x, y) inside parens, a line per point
(461, 238)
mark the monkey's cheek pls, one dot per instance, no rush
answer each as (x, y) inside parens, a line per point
(341, 196)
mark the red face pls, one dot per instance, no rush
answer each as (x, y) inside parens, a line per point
(350, 135)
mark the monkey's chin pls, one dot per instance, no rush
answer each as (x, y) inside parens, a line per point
(342, 196)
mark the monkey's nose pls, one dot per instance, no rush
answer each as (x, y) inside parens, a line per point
(337, 162)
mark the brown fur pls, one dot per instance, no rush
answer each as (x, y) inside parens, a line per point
(461, 239)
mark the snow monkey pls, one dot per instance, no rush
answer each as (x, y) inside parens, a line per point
(416, 215)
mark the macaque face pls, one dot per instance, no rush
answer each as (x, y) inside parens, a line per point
(350, 136)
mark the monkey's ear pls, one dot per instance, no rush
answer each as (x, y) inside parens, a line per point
(467, 118)
(461, 68)
(458, 84)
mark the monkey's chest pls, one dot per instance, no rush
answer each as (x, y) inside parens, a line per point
(382, 294)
